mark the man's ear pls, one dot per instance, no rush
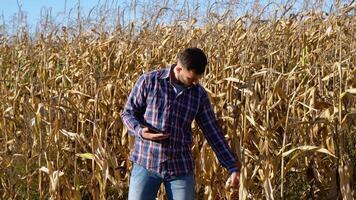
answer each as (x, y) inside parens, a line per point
(179, 67)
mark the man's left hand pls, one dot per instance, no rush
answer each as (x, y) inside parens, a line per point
(235, 179)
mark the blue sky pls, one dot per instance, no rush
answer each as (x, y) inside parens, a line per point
(33, 8)
(61, 8)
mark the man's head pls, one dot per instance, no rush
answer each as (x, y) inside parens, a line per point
(193, 59)
(191, 63)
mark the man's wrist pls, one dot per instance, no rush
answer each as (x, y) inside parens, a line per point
(235, 168)
(138, 131)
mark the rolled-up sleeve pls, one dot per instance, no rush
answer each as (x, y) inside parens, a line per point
(132, 115)
(208, 123)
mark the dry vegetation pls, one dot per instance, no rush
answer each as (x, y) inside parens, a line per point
(284, 91)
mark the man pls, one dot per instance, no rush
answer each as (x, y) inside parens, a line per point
(159, 113)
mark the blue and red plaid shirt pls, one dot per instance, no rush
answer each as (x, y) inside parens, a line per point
(154, 103)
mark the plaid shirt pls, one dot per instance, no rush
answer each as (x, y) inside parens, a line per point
(154, 103)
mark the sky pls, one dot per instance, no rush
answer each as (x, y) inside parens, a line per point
(61, 8)
(33, 8)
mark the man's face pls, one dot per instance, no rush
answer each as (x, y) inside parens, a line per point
(187, 77)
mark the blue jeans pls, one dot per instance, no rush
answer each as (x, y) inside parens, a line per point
(144, 185)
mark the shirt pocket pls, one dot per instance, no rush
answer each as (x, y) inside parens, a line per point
(155, 110)
(186, 110)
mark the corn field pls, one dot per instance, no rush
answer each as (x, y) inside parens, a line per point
(284, 92)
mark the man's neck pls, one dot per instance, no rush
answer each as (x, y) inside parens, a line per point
(173, 75)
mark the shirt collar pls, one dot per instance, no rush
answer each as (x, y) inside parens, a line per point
(166, 72)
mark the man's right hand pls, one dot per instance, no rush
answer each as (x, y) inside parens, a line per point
(149, 135)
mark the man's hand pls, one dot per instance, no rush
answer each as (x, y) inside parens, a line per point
(234, 180)
(150, 135)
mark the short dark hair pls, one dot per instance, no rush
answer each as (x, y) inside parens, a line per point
(193, 59)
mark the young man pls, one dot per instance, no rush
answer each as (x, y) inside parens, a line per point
(159, 113)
